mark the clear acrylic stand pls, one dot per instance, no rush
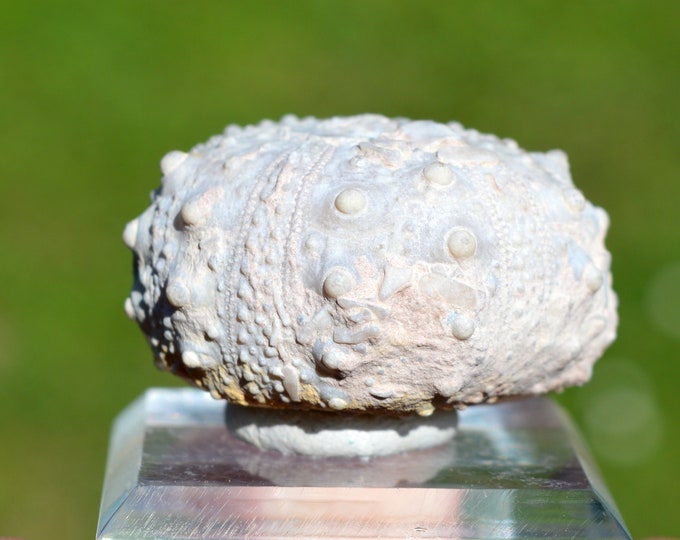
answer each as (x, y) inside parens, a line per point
(514, 470)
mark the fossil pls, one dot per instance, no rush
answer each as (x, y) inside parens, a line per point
(371, 264)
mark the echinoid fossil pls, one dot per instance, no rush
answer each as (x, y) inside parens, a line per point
(371, 264)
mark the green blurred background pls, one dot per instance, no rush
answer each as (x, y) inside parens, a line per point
(92, 94)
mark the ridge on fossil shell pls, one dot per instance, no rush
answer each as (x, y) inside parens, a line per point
(371, 264)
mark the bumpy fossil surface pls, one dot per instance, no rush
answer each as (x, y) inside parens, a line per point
(371, 264)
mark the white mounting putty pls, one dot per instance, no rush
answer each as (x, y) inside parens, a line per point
(321, 434)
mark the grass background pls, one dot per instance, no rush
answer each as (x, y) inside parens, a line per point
(92, 94)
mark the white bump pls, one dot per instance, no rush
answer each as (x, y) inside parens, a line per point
(252, 388)
(243, 315)
(461, 243)
(172, 160)
(178, 295)
(338, 404)
(447, 388)
(383, 391)
(169, 249)
(333, 358)
(130, 309)
(291, 382)
(314, 244)
(593, 278)
(338, 283)
(462, 327)
(439, 174)
(425, 410)
(130, 233)
(193, 212)
(191, 359)
(350, 201)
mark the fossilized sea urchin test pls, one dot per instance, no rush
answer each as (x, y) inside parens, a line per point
(371, 264)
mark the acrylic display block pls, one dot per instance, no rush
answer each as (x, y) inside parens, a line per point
(513, 470)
